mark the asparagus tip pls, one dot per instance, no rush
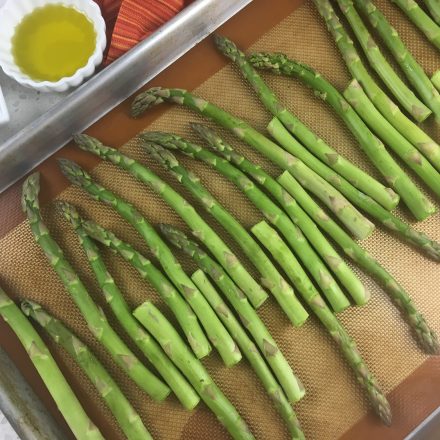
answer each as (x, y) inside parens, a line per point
(226, 46)
(160, 154)
(28, 307)
(31, 188)
(86, 142)
(69, 212)
(148, 99)
(73, 172)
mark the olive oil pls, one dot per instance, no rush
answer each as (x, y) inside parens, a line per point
(53, 42)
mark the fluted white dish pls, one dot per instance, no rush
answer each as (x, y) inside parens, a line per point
(11, 15)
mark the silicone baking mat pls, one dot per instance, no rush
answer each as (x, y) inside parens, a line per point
(335, 405)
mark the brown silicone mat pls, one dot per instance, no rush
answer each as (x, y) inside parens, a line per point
(335, 404)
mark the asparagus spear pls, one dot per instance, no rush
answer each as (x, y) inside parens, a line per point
(403, 148)
(380, 65)
(425, 336)
(114, 297)
(391, 111)
(283, 372)
(270, 210)
(94, 316)
(221, 339)
(67, 403)
(412, 69)
(348, 215)
(271, 278)
(126, 416)
(346, 276)
(252, 354)
(281, 158)
(436, 80)
(385, 196)
(151, 318)
(434, 9)
(185, 210)
(421, 19)
(187, 320)
(282, 254)
(372, 146)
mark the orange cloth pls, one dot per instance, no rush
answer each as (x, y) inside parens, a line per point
(130, 21)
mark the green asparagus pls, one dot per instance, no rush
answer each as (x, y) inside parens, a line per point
(391, 111)
(434, 9)
(393, 223)
(425, 336)
(114, 297)
(403, 148)
(94, 316)
(221, 339)
(126, 416)
(412, 69)
(370, 144)
(348, 215)
(151, 318)
(188, 321)
(271, 278)
(436, 80)
(361, 180)
(65, 399)
(343, 272)
(421, 19)
(185, 210)
(252, 354)
(380, 65)
(282, 254)
(283, 372)
(270, 210)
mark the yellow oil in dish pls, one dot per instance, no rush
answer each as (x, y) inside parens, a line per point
(53, 42)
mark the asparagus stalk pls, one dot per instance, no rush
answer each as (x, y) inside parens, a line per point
(421, 19)
(412, 69)
(270, 210)
(281, 158)
(271, 278)
(391, 111)
(185, 210)
(357, 224)
(436, 80)
(114, 297)
(126, 416)
(187, 319)
(221, 339)
(434, 9)
(252, 354)
(370, 144)
(343, 272)
(380, 65)
(282, 254)
(385, 196)
(94, 316)
(65, 399)
(151, 318)
(283, 372)
(403, 148)
(425, 336)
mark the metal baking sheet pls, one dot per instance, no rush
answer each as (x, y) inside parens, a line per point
(49, 132)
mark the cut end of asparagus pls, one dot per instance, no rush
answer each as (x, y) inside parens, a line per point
(73, 172)
(31, 188)
(147, 99)
(69, 212)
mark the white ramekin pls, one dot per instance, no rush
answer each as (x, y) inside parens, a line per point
(13, 12)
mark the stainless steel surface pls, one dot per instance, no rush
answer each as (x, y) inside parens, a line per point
(22, 407)
(42, 137)
(429, 429)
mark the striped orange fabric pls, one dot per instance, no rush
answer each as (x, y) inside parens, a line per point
(136, 19)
